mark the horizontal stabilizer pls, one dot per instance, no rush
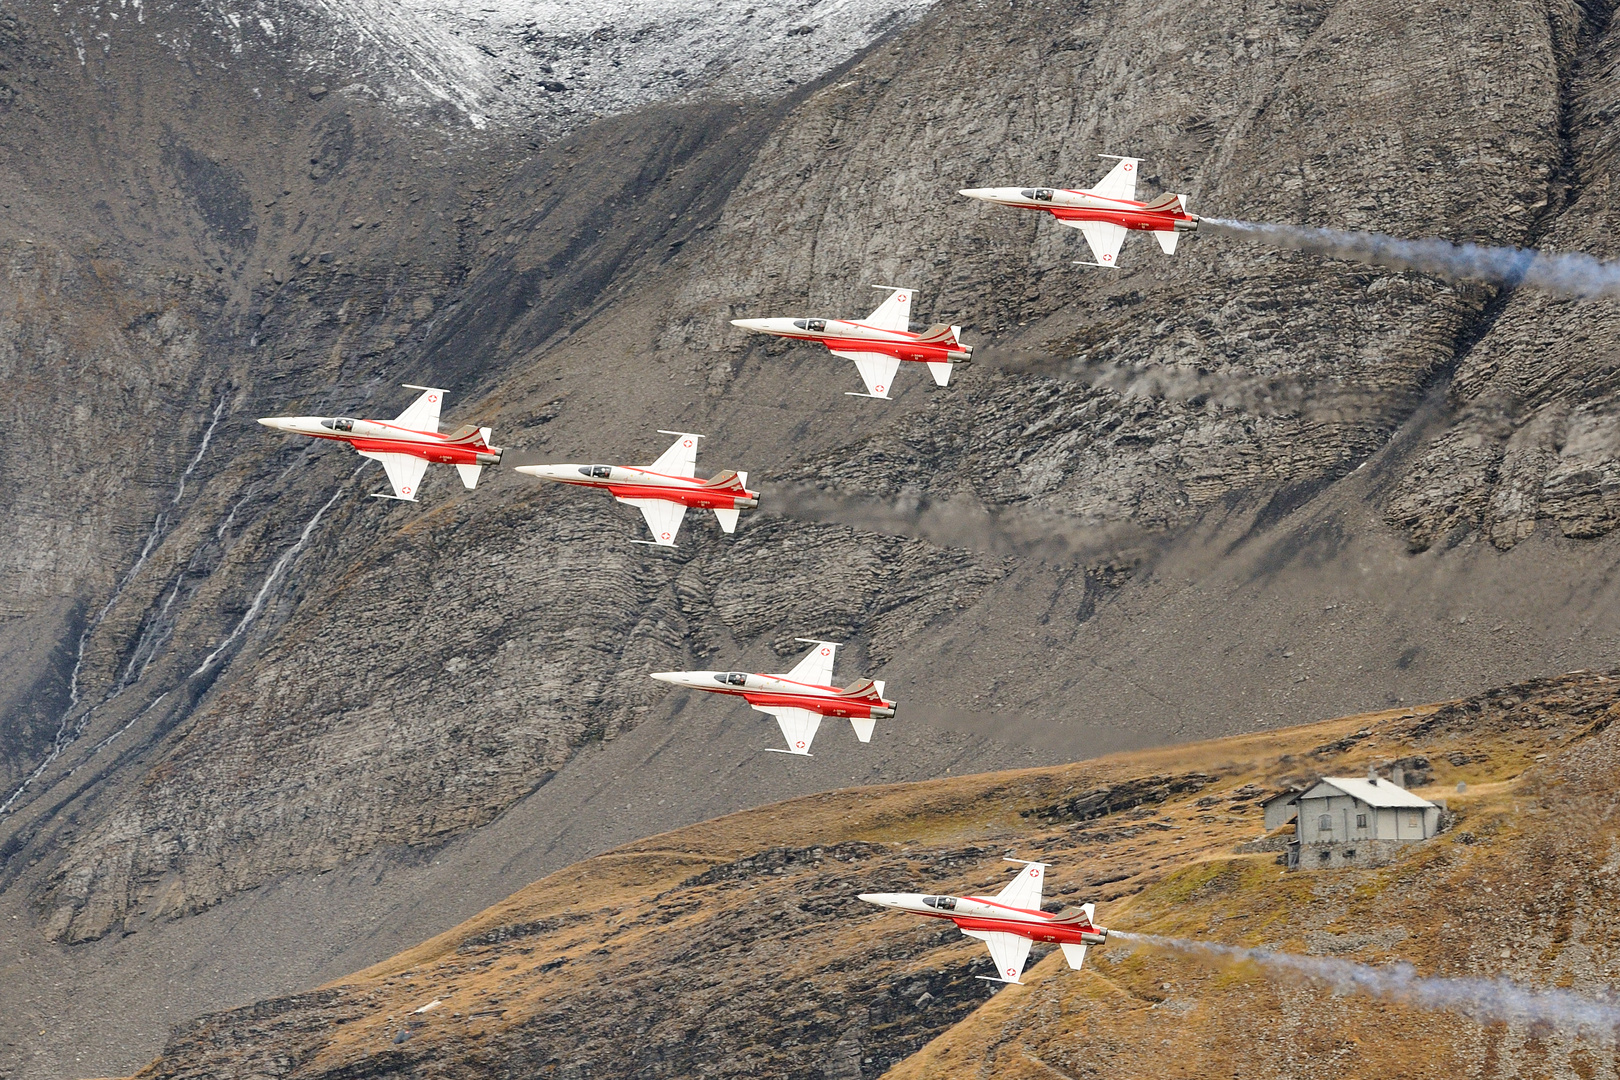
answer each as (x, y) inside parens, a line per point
(863, 728)
(727, 519)
(941, 369)
(469, 475)
(1167, 240)
(1074, 954)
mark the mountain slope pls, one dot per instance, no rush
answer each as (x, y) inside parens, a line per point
(736, 948)
(1169, 503)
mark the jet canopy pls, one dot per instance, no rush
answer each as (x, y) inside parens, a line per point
(731, 678)
(1038, 194)
(600, 472)
(339, 423)
(943, 903)
(811, 324)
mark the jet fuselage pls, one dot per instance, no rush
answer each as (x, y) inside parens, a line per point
(635, 482)
(985, 914)
(938, 345)
(776, 691)
(1167, 214)
(386, 437)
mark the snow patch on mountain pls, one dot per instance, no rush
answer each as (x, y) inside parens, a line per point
(544, 64)
(558, 62)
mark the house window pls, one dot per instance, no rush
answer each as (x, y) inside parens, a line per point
(1361, 821)
(1324, 823)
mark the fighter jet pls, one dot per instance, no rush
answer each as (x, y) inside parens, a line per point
(1104, 213)
(798, 699)
(663, 490)
(406, 444)
(878, 343)
(1010, 922)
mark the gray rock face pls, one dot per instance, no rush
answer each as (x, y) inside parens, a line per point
(232, 668)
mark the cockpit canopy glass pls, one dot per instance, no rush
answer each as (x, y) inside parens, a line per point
(943, 903)
(816, 325)
(1038, 194)
(732, 678)
(600, 472)
(341, 423)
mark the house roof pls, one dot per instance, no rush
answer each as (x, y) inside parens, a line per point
(1382, 793)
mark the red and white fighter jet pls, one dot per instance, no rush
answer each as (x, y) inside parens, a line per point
(664, 490)
(798, 699)
(877, 343)
(406, 444)
(1009, 922)
(1104, 213)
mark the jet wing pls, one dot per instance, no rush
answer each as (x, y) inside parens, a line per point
(877, 371)
(817, 665)
(1009, 951)
(404, 472)
(894, 313)
(663, 518)
(423, 414)
(798, 728)
(1120, 183)
(680, 459)
(1105, 239)
(1024, 891)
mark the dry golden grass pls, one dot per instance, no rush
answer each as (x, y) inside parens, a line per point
(763, 966)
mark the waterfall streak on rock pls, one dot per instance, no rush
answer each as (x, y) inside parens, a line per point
(272, 579)
(66, 731)
(1571, 274)
(1485, 1000)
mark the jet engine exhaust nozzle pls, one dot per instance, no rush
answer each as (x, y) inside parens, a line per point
(1188, 225)
(1095, 939)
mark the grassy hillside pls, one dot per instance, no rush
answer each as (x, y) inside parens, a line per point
(737, 947)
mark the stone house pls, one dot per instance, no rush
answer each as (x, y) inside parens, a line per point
(1352, 821)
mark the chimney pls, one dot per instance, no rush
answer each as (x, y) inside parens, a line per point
(1372, 774)
(1397, 776)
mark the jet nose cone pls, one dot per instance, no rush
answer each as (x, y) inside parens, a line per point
(277, 422)
(667, 676)
(756, 325)
(881, 899)
(978, 192)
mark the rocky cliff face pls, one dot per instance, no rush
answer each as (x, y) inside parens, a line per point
(231, 668)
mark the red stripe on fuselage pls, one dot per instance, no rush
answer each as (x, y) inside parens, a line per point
(698, 497)
(911, 347)
(443, 453)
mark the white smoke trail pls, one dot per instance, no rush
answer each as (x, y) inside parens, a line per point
(1480, 999)
(67, 732)
(964, 522)
(1569, 274)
